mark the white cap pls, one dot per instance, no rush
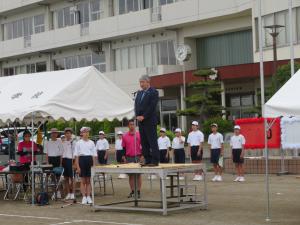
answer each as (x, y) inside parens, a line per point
(214, 125)
(119, 132)
(85, 129)
(195, 123)
(163, 129)
(62, 136)
(101, 132)
(237, 127)
(177, 130)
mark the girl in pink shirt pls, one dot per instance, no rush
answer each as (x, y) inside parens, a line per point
(25, 149)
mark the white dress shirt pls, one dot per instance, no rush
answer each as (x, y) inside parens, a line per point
(54, 148)
(68, 149)
(102, 145)
(237, 141)
(215, 140)
(195, 138)
(85, 148)
(164, 143)
(118, 145)
(178, 142)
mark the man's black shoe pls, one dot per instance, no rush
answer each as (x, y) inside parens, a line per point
(139, 195)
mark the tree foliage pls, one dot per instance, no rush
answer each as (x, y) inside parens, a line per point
(206, 102)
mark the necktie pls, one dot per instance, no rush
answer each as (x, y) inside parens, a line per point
(143, 94)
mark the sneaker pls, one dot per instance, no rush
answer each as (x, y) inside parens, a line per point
(198, 178)
(131, 195)
(72, 196)
(219, 178)
(215, 178)
(242, 179)
(58, 195)
(122, 176)
(195, 178)
(84, 200)
(89, 200)
(68, 197)
(181, 178)
(237, 179)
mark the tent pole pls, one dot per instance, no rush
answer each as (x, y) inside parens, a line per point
(32, 158)
(262, 88)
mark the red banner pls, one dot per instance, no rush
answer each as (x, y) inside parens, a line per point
(253, 130)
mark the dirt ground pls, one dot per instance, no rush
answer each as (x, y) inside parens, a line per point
(229, 203)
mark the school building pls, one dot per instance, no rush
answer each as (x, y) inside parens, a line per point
(127, 38)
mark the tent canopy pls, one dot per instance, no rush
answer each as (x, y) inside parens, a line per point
(285, 101)
(82, 93)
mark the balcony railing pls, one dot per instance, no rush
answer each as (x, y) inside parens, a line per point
(155, 14)
(27, 41)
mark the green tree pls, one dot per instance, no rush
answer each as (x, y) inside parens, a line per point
(206, 102)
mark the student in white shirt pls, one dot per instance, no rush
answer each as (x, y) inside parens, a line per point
(120, 152)
(216, 144)
(67, 163)
(102, 147)
(54, 149)
(85, 157)
(178, 146)
(237, 143)
(195, 141)
(164, 145)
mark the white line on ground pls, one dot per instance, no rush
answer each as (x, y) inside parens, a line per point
(66, 222)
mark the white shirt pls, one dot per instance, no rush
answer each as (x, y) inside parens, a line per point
(102, 145)
(68, 149)
(176, 142)
(54, 148)
(215, 140)
(164, 143)
(118, 144)
(195, 138)
(85, 148)
(237, 141)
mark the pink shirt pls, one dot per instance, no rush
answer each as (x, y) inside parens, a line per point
(128, 144)
(26, 146)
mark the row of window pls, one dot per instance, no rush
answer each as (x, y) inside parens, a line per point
(280, 18)
(82, 13)
(27, 68)
(25, 27)
(97, 60)
(147, 55)
(126, 6)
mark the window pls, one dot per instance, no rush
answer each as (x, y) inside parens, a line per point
(140, 57)
(169, 104)
(281, 19)
(171, 51)
(59, 64)
(39, 24)
(124, 58)
(132, 57)
(28, 27)
(118, 59)
(41, 67)
(71, 62)
(84, 13)
(97, 9)
(148, 4)
(126, 6)
(164, 2)
(84, 60)
(298, 22)
(9, 31)
(163, 53)
(30, 68)
(147, 55)
(9, 71)
(98, 60)
(60, 18)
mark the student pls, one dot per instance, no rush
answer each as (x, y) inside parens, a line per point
(237, 143)
(67, 163)
(25, 149)
(120, 152)
(102, 147)
(216, 145)
(195, 141)
(54, 149)
(85, 157)
(178, 148)
(164, 145)
(131, 142)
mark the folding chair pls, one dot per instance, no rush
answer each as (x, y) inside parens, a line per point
(102, 180)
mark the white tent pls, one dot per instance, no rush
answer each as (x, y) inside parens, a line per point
(285, 101)
(82, 93)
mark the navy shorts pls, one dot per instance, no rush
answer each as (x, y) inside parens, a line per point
(179, 155)
(68, 167)
(215, 155)
(85, 164)
(236, 156)
(54, 161)
(101, 155)
(194, 153)
(119, 155)
(162, 157)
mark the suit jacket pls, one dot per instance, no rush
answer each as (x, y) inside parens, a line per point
(146, 106)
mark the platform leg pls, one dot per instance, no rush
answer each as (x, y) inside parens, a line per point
(135, 190)
(164, 196)
(93, 188)
(205, 189)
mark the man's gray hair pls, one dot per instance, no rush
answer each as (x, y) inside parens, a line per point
(145, 77)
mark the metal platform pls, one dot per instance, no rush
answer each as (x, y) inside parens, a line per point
(179, 197)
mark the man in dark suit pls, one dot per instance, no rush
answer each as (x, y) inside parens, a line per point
(145, 111)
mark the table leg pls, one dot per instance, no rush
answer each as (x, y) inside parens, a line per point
(135, 190)
(104, 184)
(178, 189)
(172, 185)
(205, 189)
(93, 188)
